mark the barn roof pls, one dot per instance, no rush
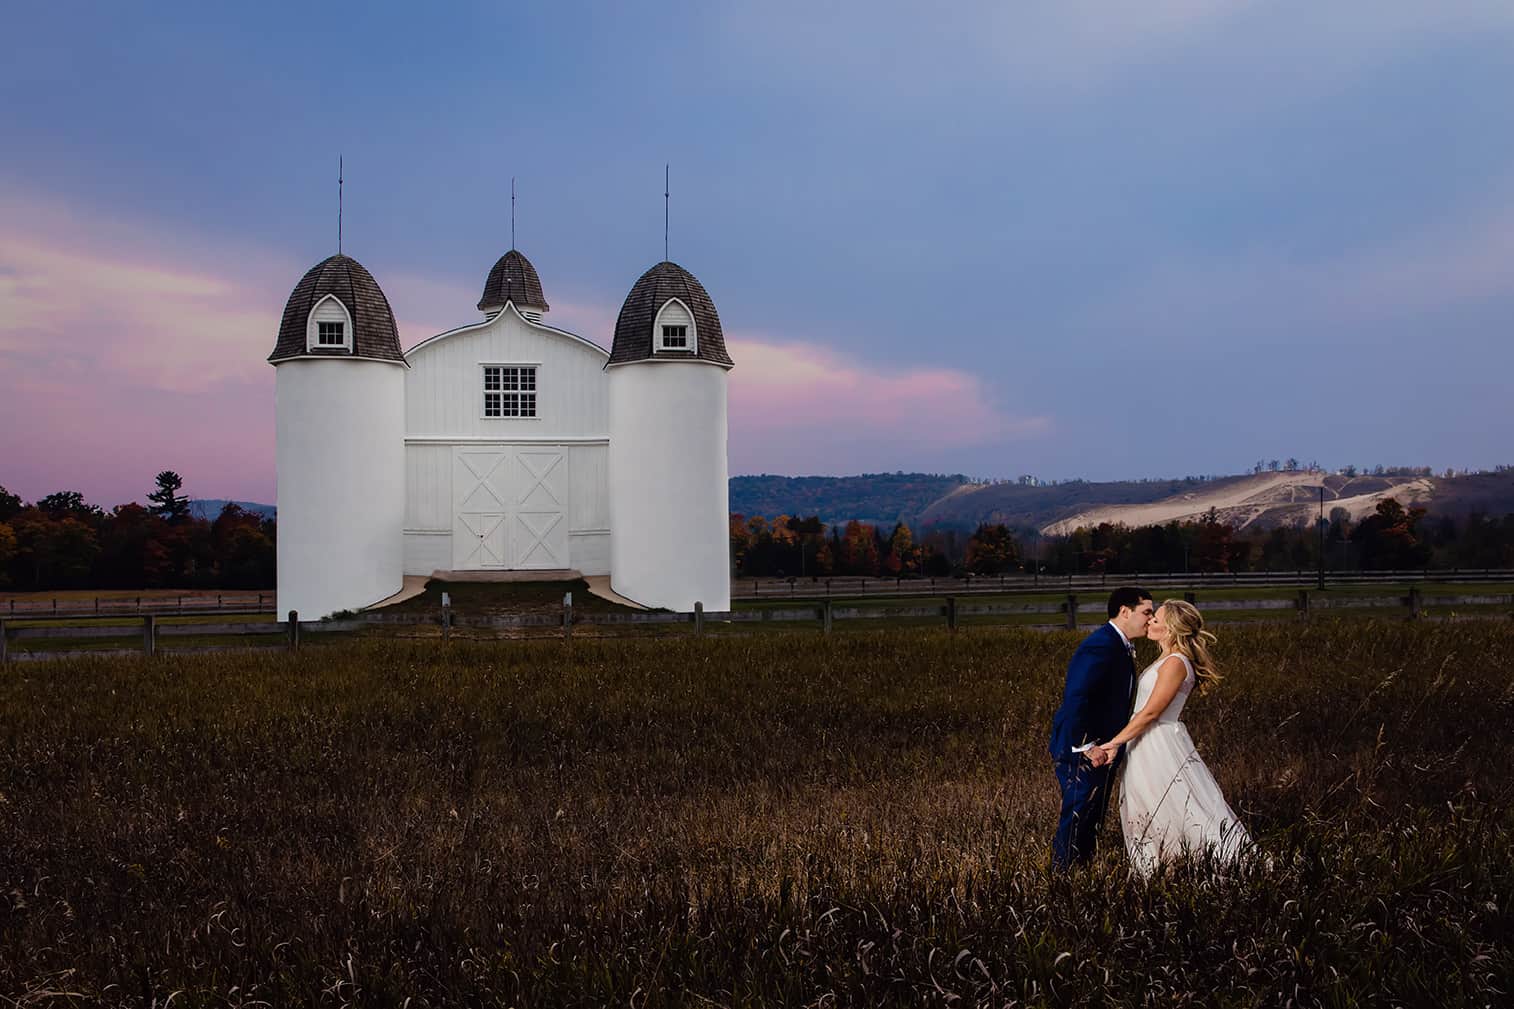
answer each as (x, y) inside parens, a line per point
(374, 334)
(655, 288)
(513, 279)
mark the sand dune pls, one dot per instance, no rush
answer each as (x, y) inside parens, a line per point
(1282, 498)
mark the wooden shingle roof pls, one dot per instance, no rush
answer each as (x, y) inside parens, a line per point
(374, 333)
(513, 279)
(655, 288)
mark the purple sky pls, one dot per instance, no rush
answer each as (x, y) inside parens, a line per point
(1070, 239)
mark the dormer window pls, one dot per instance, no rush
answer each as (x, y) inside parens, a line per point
(329, 326)
(674, 329)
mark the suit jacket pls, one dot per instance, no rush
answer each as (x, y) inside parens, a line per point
(1096, 699)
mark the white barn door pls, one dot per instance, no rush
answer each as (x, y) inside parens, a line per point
(541, 517)
(510, 507)
(481, 512)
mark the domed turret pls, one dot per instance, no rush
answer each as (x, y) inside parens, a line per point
(513, 279)
(338, 310)
(340, 443)
(668, 296)
(669, 506)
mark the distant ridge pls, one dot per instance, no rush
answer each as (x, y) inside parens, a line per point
(882, 498)
(210, 507)
(1265, 499)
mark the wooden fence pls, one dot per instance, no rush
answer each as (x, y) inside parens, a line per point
(822, 588)
(227, 603)
(950, 612)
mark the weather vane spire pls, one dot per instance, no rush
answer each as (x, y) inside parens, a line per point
(512, 213)
(666, 190)
(338, 204)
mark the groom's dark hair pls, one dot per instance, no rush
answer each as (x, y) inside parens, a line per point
(1126, 595)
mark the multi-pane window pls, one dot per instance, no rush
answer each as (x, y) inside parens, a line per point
(509, 391)
(675, 337)
(329, 334)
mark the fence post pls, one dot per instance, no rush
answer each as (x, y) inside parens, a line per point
(567, 616)
(1072, 612)
(1415, 603)
(1302, 604)
(4, 654)
(446, 616)
(149, 634)
(825, 617)
(698, 617)
(294, 630)
(951, 613)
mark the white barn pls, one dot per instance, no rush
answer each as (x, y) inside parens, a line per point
(506, 444)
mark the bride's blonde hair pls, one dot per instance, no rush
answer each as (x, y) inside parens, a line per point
(1185, 625)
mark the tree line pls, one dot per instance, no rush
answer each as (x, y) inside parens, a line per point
(1391, 537)
(63, 542)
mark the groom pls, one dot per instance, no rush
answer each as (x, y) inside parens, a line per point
(1095, 706)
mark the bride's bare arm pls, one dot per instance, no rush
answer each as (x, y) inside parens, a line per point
(1169, 678)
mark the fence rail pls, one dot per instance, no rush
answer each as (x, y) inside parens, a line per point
(228, 603)
(951, 611)
(821, 588)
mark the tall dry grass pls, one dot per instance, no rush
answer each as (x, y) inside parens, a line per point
(861, 820)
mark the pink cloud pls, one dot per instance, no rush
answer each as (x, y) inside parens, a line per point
(803, 408)
(123, 353)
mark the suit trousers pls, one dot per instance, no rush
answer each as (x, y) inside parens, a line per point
(1085, 799)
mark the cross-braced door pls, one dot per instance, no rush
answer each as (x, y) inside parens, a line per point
(510, 507)
(541, 522)
(481, 527)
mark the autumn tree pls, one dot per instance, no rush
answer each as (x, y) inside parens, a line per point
(1389, 537)
(902, 558)
(859, 549)
(992, 550)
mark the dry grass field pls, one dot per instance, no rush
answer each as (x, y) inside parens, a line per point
(774, 820)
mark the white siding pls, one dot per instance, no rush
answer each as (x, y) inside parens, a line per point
(428, 488)
(444, 386)
(427, 552)
(590, 552)
(590, 511)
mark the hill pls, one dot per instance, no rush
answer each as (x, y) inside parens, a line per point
(882, 498)
(210, 507)
(1263, 499)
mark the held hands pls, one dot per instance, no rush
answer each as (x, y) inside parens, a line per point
(1098, 756)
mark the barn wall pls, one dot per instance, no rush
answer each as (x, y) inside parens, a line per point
(444, 395)
(426, 552)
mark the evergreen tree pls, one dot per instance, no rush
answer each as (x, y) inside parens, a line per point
(169, 504)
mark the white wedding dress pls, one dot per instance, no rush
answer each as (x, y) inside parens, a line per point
(1169, 802)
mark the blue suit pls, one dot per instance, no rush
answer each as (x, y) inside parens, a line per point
(1095, 707)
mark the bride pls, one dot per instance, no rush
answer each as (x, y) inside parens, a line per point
(1169, 802)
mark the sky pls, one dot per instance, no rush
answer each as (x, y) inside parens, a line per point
(1069, 239)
